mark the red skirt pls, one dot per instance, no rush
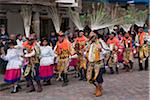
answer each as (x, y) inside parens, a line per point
(46, 72)
(120, 57)
(74, 62)
(12, 75)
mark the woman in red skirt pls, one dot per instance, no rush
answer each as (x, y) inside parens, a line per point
(46, 62)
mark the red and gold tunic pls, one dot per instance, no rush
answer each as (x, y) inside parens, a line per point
(80, 44)
(128, 51)
(63, 51)
(114, 42)
(113, 45)
(143, 49)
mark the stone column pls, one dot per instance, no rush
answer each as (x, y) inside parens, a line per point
(36, 23)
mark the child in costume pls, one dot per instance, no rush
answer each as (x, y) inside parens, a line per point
(46, 62)
(13, 68)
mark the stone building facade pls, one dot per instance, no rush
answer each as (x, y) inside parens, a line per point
(10, 15)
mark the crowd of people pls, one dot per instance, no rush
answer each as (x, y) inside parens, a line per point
(89, 53)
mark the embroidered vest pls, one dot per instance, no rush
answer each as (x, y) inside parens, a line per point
(93, 53)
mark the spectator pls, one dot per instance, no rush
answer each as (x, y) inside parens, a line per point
(53, 39)
(75, 34)
(19, 40)
(71, 38)
(12, 38)
(3, 33)
(118, 29)
(145, 28)
(3, 63)
(67, 32)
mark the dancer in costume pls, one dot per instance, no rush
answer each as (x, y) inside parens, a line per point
(142, 43)
(113, 44)
(13, 68)
(74, 61)
(46, 62)
(95, 63)
(128, 52)
(31, 73)
(120, 49)
(80, 47)
(63, 50)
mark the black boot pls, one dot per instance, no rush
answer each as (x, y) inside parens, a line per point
(65, 80)
(81, 74)
(48, 82)
(15, 89)
(124, 67)
(66, 75)
(31, 86)
(111, 70)
(127, 68)
(146, 64)
(131, 65)
(84, 76)
(117, 70)
(27, 85)
(39, 89)
(140, 65)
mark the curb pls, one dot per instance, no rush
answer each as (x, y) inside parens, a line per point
(4, 86)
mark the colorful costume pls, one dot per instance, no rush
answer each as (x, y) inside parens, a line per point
(95, 66)
(112, 57)
(120, 53)
(46, 62)
(142, 42)
(95, 63)
(13, 68)
(80, 47)
(63, 51)
(32, 68)
(128, 53)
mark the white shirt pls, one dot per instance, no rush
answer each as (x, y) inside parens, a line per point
(47, 56)
(13, 58)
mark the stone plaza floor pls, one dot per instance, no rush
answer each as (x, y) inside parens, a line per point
(123, 86)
